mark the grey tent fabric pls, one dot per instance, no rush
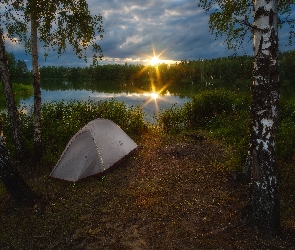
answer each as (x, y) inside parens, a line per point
(96, 147)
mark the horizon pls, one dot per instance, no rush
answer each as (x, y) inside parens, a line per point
(137, 31)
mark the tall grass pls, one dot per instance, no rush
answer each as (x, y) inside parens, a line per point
(61, 120)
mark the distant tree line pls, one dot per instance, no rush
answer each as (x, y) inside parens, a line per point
(226, 69)
(17, 68)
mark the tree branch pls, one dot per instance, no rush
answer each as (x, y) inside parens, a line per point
(246, 23)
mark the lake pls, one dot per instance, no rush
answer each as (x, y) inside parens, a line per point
(151, 102)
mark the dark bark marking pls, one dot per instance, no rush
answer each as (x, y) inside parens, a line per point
(255, 166)
(260, 45)
(271, 14)
(260, 12)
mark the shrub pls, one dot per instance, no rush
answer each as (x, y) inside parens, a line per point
(208, 105)
(203, 110)
(172, 120)
(221, 114)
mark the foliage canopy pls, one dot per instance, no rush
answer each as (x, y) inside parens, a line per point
(234, 19)
(60, 22)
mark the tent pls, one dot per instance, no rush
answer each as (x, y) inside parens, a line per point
(95, 148)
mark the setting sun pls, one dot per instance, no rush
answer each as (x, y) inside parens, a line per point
(155, 60)
(154, 95)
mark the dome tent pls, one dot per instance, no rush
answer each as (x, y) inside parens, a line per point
(92, 150)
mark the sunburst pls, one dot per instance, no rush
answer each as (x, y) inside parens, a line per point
(154, 61)
(154, 95)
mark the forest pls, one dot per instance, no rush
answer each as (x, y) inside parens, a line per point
(225, 70)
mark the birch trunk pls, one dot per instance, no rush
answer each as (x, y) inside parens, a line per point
(10, 101)
(265, 101)
(13, 182)
(37, 91)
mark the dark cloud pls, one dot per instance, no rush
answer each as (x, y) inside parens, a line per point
(176, 29)
(179, 28)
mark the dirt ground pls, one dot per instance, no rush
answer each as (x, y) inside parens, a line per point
(170, 193)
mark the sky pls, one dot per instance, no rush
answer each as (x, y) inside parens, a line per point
(135, 30)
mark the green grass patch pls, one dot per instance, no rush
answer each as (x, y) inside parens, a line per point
(21, 91)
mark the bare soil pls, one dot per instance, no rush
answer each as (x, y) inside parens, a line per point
(170, 193)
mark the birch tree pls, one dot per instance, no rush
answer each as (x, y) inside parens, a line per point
(241, 21)
(57, 24)
(10, 101)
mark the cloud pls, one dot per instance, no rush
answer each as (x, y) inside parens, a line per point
(179, 29)
(133, 29)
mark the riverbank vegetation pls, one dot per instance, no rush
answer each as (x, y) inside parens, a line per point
(62, 120)
(221, 114)
(21, 91)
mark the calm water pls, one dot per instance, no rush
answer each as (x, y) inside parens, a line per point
(151, 104)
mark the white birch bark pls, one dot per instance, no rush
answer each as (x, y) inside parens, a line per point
(265, 101)
(37, 91)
